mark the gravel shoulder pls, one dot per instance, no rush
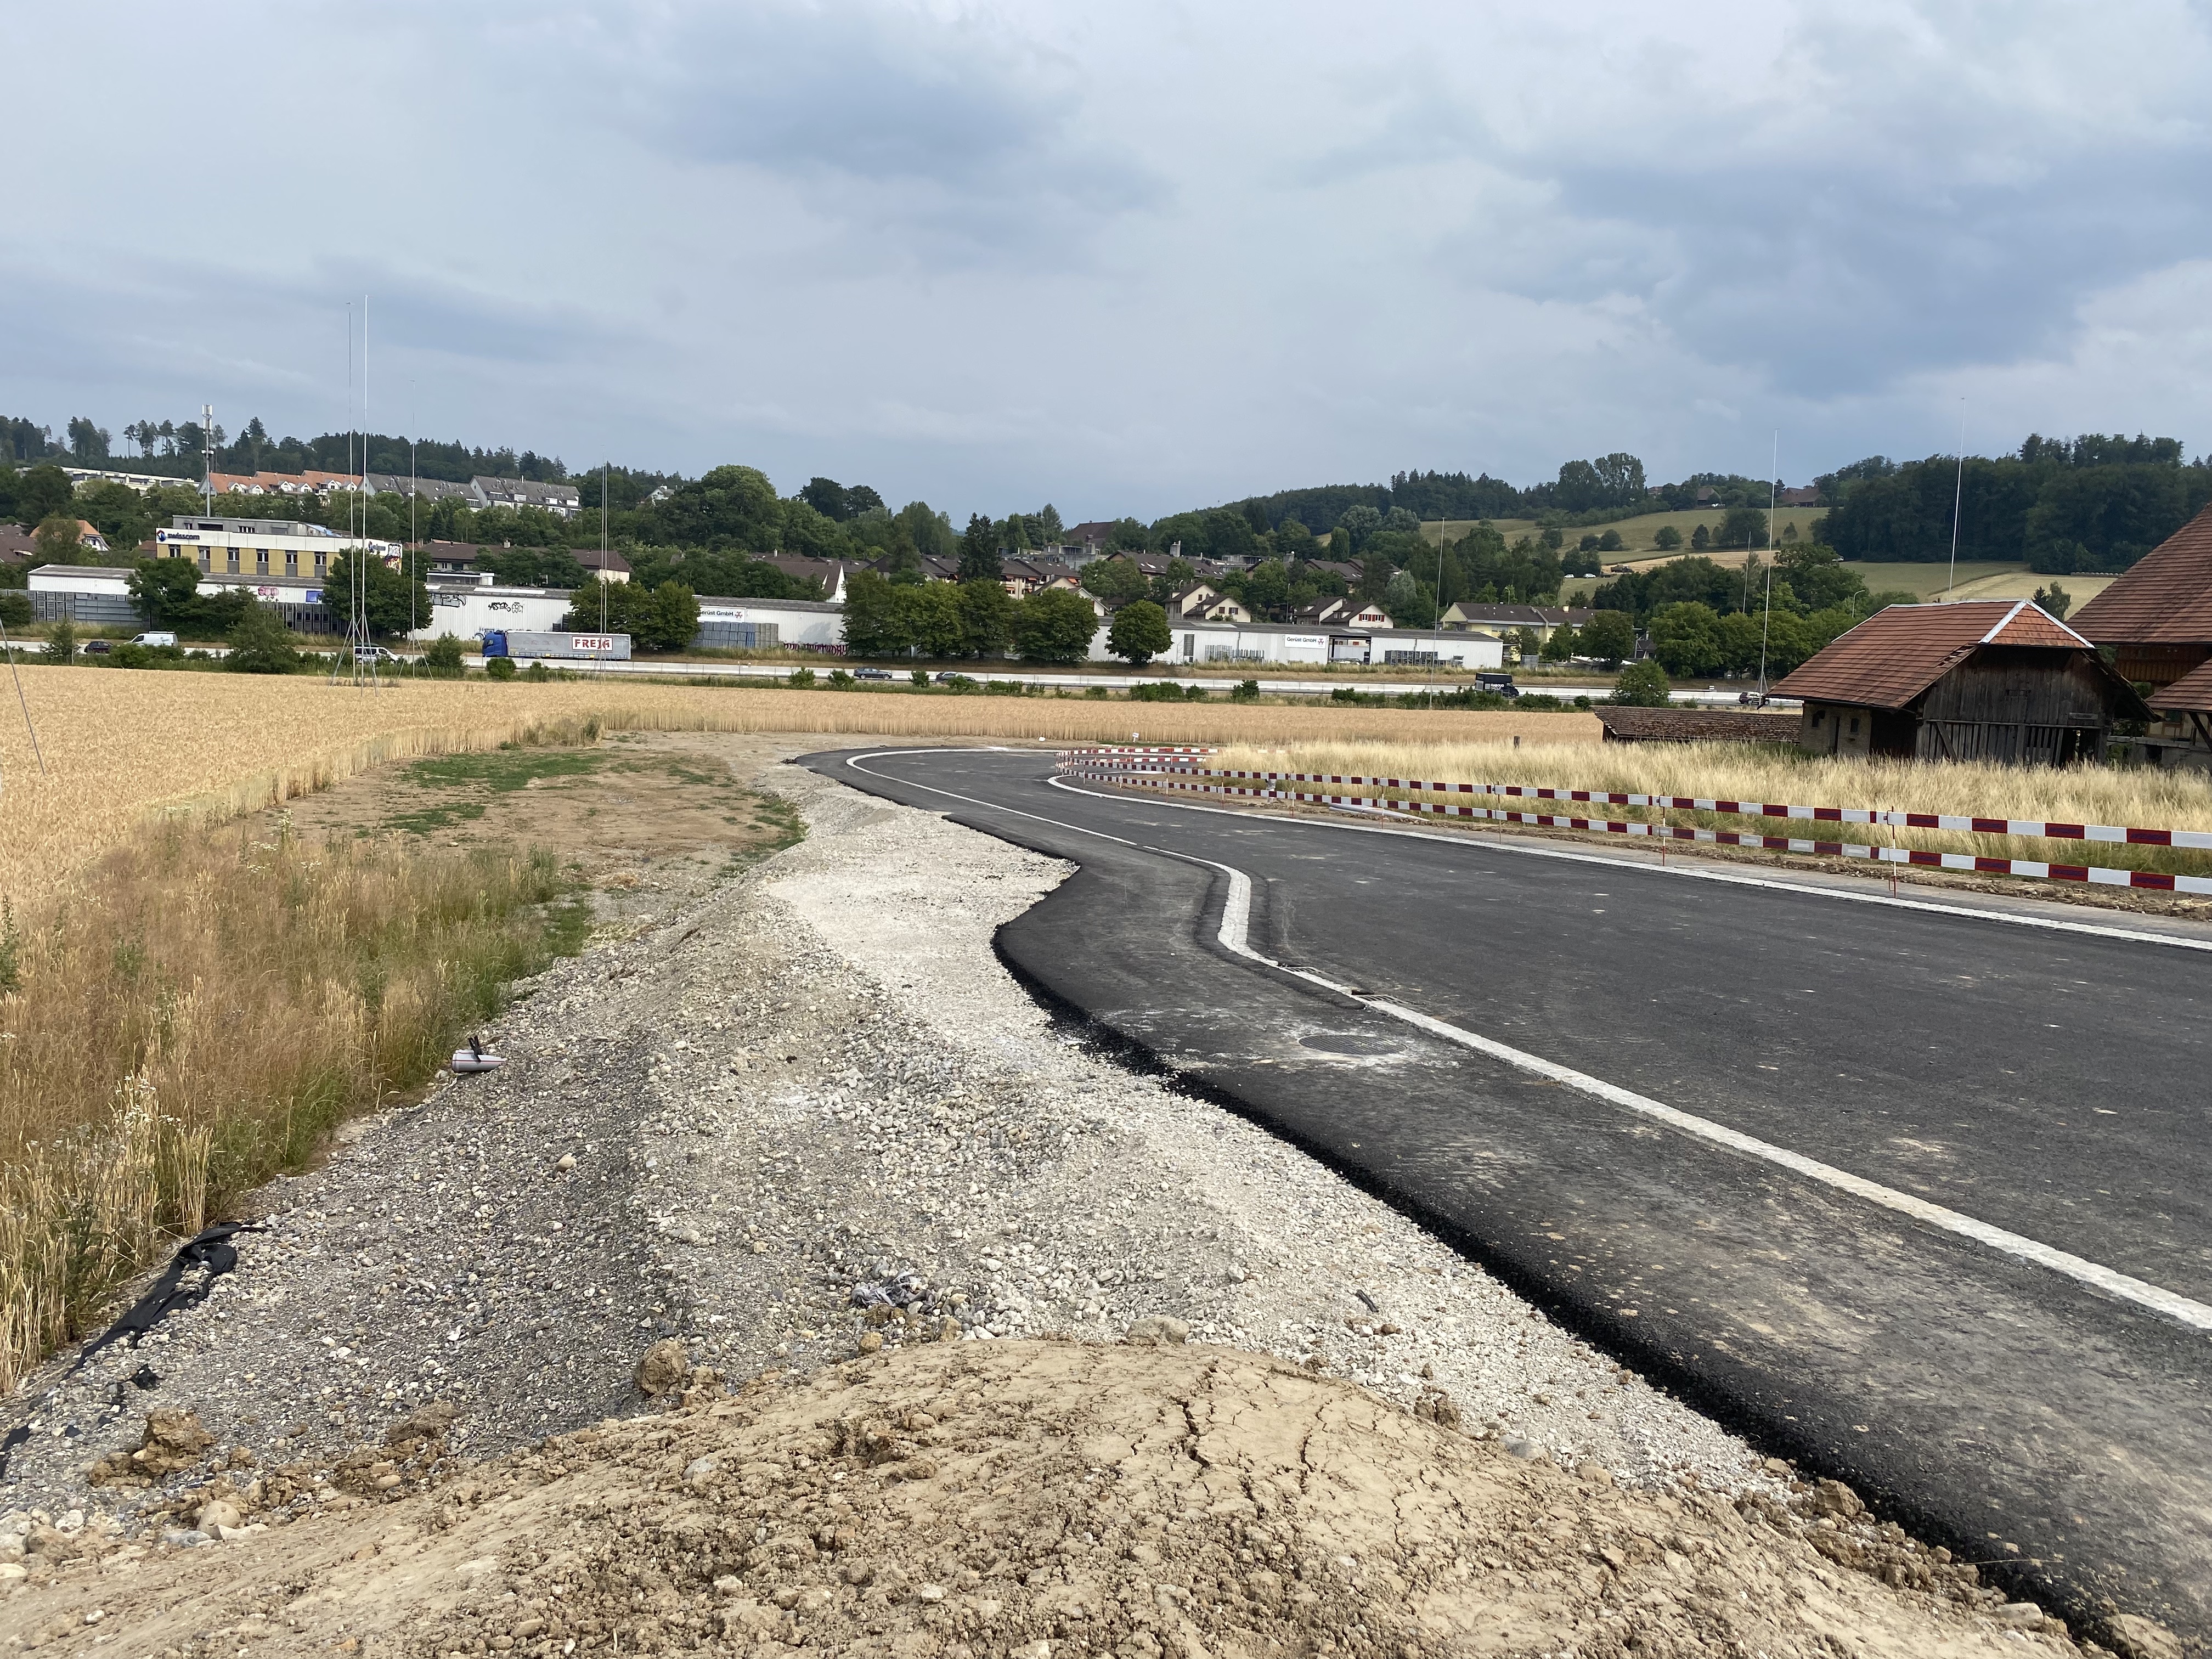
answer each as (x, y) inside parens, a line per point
(801, 1118)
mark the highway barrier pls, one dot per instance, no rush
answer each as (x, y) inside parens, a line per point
(1132, 769)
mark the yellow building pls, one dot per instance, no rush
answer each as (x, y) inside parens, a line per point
(270, 547)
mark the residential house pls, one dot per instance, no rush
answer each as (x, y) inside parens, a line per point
(450, 560)
(17, 543)
(564, 500)
(1344, 611)
(422, 490)
(1980, 679)
(1088, 540)
(308, 482)
(2156, 620)
(1203, 603)
(1800, 496)
(830, 573)
(1492, 617)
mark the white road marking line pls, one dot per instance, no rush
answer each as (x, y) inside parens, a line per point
(1233, 935)
(1235, 920)
(1685, 869)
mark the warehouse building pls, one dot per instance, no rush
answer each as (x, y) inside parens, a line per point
(1981, 679)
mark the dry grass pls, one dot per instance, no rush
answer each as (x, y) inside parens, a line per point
(202, 1013)
(2149, 799)
(120, 745)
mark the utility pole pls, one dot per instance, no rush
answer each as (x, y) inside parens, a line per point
(1958, 501)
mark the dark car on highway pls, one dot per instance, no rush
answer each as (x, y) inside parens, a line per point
(872, 673)
(948, 677)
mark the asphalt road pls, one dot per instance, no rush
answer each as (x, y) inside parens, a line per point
(1709, 1123)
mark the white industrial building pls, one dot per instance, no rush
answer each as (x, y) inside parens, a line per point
(1269, 643)
(465, 609)
(806, 624)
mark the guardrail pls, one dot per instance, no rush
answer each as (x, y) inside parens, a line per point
(1130, 768)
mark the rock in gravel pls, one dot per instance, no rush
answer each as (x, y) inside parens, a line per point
(664, 1369)
(1159, 1330)
(218, 1516)
(2133, 1637)
(174, 1440)
(1435, 1407)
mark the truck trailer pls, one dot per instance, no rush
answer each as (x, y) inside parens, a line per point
(556, 648)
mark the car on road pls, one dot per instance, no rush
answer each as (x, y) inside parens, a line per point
(157, 637)
(872, 673)
(948, 677)
(98, 648)
(1501, 683)
(375, 653)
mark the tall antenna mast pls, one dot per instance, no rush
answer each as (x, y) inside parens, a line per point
(207, 454)
(413, 537)
(1958, 501)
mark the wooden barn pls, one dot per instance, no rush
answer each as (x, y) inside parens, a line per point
(1981, 679)
(2157, 622)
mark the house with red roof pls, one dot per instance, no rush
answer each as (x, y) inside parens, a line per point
(1981, 679)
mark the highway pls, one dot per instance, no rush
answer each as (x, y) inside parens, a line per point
(1918, 1194)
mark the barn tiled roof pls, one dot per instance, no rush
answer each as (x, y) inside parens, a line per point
(2164, 598)
(1900, 652)
(2190, 694)
(1627, 724)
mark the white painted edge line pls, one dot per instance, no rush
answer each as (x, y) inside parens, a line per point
(1235, 923)
(2182, 1309)
(1687, 869)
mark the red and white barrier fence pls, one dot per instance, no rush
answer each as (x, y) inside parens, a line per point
(2049, 828)
(2094, 875)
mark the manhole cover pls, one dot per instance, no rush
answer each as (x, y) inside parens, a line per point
(1329, 1043)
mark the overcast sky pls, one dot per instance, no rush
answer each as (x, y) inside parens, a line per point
(1125, 257)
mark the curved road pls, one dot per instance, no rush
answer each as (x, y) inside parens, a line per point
(1919, 1193)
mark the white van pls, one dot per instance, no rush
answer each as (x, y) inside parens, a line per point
(158, 637)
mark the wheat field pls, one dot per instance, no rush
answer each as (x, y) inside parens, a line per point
(2087, 795)
(120, 746)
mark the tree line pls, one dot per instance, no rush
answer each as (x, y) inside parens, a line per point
(2094, 503)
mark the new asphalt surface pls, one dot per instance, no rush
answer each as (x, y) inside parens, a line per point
(2048, 1083)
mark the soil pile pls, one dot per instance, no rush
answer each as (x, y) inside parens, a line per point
(1032, 1499)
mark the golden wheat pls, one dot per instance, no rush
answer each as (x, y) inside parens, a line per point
(120, 744)
(201, 1014)
(1710, 771)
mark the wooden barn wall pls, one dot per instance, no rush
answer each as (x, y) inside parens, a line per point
(2035, 707)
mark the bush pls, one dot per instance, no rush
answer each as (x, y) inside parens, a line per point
(1641, 685)
(261, 644)
(499, 668)
(61, 643)
(919, 676)
(15, 610)
(840, 681)
(1099, 692)
(1005, 688)
(443, 658)
(800, 679)
(1157, 691)
(538, 673)
(1245, 691)
(1194, 694)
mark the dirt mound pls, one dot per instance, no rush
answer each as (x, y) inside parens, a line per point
(1030, 1500)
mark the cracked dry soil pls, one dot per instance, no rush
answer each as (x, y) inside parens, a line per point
(800, 1122)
